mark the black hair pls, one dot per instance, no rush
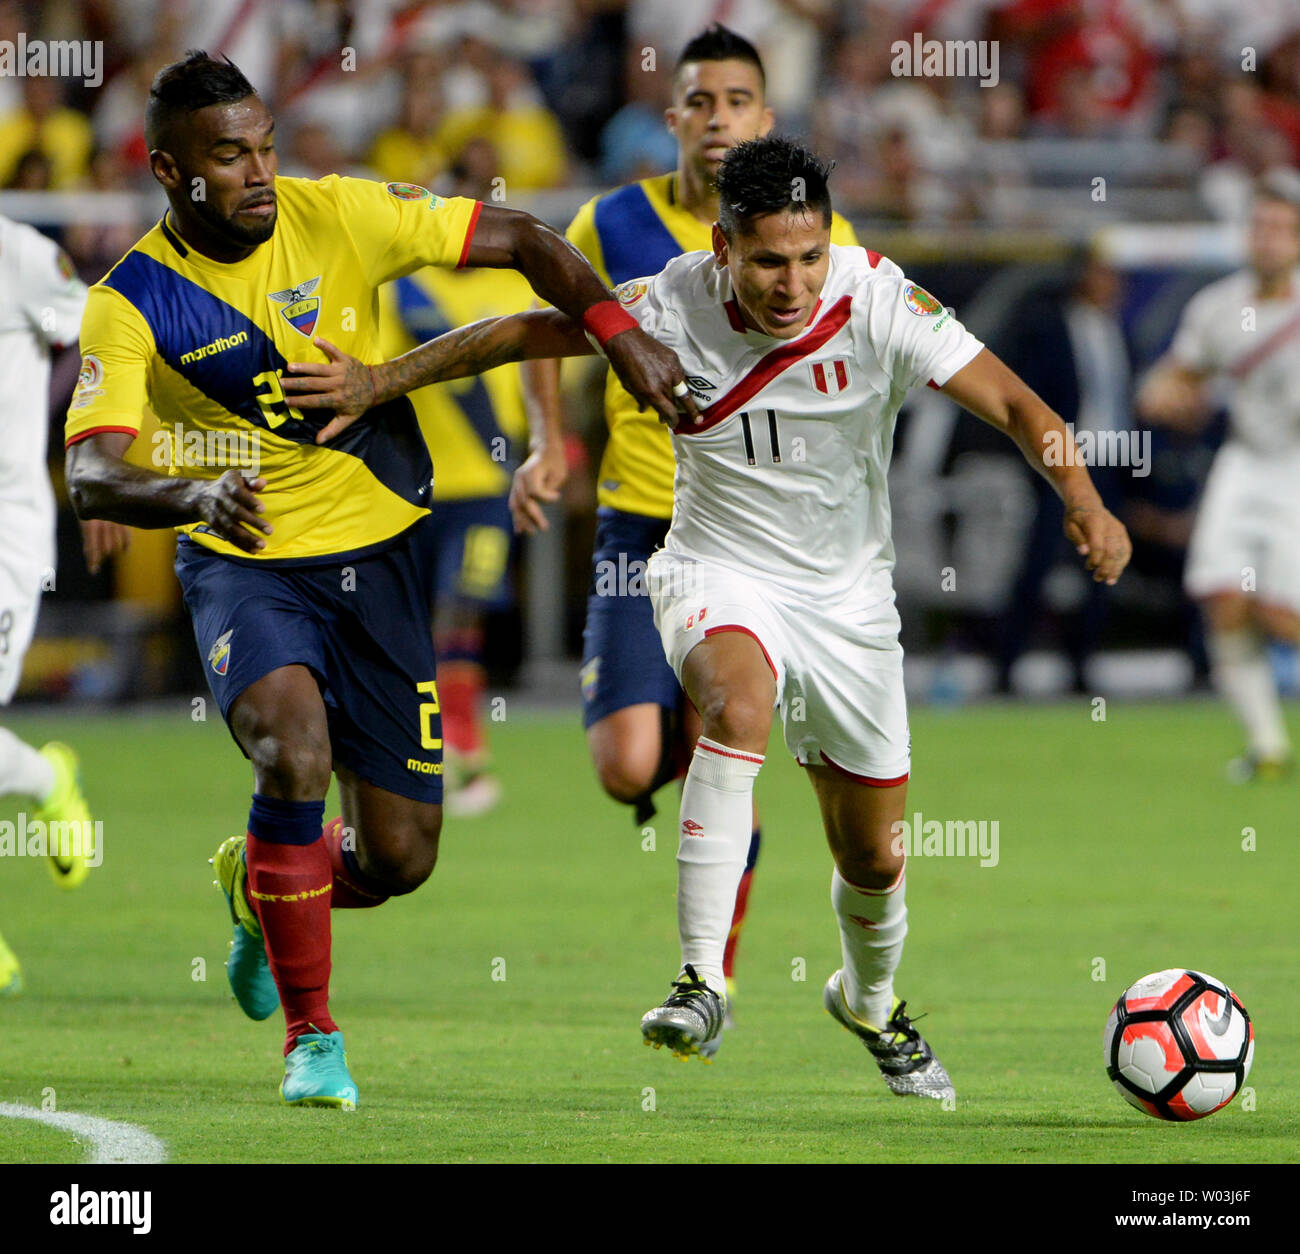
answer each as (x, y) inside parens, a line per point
(718, 43)
(770, 175)
(184, 86)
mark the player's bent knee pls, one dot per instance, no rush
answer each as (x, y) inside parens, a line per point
(736, 720)
(404, 856)
(874, 869)
(1279, 622)
(1227, 611)
(625, 779)
(297, 769)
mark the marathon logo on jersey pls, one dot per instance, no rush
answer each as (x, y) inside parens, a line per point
(219, 345)
(830, 378)
(219, 654)
(301, 308)
(88, 382)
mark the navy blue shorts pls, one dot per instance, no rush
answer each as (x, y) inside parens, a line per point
(623, 659)
(474, 538)
(361, 625)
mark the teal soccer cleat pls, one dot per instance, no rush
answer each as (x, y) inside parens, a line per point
(247, 968)
(316, 1073)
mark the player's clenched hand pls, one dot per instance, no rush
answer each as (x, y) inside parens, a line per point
(229, 506)
(538, 481)
(344, 384)
(1100, 538)
(101, 539)
(654, 376)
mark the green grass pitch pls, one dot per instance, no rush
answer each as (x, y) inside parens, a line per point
(1119, 842)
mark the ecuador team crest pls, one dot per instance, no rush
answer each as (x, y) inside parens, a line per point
(219, 654)
(301, 308)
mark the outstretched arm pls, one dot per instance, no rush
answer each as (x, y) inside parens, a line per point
(560, 275)
(350, 387)
(993, 392)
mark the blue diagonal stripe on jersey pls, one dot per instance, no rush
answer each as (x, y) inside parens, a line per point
(424, 320)
(633, 239)
(184, 317)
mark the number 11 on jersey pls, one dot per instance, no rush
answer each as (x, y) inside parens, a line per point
(773, 437)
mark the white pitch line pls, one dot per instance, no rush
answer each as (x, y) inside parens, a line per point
(109, 1141)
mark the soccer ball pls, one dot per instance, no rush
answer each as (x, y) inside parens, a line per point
(1178, 1044)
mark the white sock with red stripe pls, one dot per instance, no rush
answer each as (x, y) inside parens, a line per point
(716, 817)
(873, 924)
(1243, 675)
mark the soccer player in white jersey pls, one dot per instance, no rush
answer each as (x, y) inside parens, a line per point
(41, 300)
(773, 588)
(1243, 562)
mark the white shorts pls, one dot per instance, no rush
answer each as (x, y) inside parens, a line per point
(1247, 532)
(839, 676)
(20, 599)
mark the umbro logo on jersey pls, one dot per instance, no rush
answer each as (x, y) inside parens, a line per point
(699, 384)
(691, 828)
(301, 308)
(830, 378)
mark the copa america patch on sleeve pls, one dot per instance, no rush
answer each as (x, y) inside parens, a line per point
(408, 191)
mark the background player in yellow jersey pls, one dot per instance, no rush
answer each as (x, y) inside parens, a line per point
(305, 566)
(473, 427)
(640, 729)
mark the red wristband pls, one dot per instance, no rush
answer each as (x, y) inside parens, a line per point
(606, 319)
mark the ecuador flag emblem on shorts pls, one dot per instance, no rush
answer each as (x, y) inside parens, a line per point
(219, 654)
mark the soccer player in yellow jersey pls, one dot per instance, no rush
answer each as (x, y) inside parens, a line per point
(304, 564)
(473, 427)
(640, 729)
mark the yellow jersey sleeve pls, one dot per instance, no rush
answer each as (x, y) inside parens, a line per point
(400, 227)
(116, 350)
(582, 234)
(842, 232)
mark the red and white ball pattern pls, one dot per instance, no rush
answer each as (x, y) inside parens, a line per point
(1178, 1044)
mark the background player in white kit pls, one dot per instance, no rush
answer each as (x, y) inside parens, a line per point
(41, 300)
(1243, 562)
(773, 588)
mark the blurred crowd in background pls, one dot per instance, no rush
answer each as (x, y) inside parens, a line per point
(555, 93)
(1180, 105)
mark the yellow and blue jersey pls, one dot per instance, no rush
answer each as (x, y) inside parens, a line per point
(473, 426)
(629, 233)
(203, 345)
